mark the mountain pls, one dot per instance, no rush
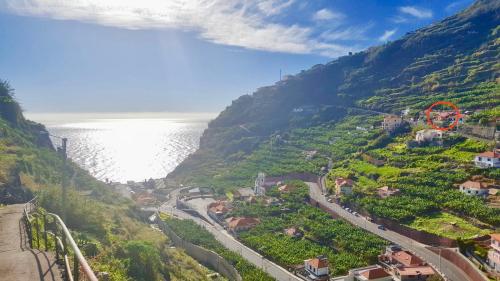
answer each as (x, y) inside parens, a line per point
(455, 59)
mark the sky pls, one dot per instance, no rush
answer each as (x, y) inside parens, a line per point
(184, 55)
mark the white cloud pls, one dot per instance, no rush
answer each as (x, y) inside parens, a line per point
(420, 13)
(387, 35)
(347, 33)
(326, 14)
(272, 7)
(457, 5)
(241, 23)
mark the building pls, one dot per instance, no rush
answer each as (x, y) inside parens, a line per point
(343, 186)
(449, 117)
(286, 188)
(488, 159)
(317, 268)
(413, 273)
(293, 232)
(385, 191)
(391, 123)
(236, 224)
(375, 273)
(218, 209)
(475, 188)
(262, 183)
(429, 136)
(494, 253)
(399, 258)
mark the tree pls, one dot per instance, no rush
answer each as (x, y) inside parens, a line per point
(144, 261)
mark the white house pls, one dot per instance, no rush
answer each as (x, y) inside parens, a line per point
(475, 188)
(494, 253)
(317, 268)
(429, 135)
(488, 159)
(259, 184)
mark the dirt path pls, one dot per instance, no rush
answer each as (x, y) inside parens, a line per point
(17, 260)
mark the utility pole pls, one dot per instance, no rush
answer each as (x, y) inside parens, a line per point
(63, 151)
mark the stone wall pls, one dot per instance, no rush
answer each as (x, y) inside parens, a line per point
(461, 262)
(207, 258)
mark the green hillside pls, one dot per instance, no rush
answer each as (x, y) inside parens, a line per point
(96, 215)
(455, 60)
(335, 110)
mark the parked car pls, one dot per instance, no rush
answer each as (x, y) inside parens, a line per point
(330, 200)
(381, 227)
(356, 214)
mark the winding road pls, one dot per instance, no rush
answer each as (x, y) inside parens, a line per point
(274, 270)
(448, 269)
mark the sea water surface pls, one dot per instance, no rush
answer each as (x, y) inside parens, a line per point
(127, 146)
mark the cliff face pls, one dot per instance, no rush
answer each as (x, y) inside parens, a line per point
(456, 55)
(20, 140)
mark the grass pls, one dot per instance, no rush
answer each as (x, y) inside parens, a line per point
(447, 225)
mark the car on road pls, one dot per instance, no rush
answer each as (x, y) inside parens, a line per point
(330, 200)
(381, 227)
(356, 214)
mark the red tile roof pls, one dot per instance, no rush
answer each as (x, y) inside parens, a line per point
(243, 222)
(375, 273)
(490, 154)
(495, 236)
(475, 185)
(420, 270)
(318, 262)
(406, 258)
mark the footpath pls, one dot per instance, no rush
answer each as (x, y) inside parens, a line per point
(17, 260)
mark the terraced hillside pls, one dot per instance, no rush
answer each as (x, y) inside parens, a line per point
(455, 60)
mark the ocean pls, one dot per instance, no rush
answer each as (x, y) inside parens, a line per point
(127, 146)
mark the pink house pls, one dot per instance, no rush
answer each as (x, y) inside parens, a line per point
(494, 253)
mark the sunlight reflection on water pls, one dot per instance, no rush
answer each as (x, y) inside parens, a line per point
(123, 147)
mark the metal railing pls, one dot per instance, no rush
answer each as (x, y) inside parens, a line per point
(62, 239)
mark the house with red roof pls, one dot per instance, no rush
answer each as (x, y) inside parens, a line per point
(474, 188)
(343, 186)
(488, 159)
(237, 224)
(494, 253)
(317, 268)
(397, 257)
(372, 273)
(417, 273)
(218, 209)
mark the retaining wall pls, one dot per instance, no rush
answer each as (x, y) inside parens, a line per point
(202, 255)
(461, 262)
